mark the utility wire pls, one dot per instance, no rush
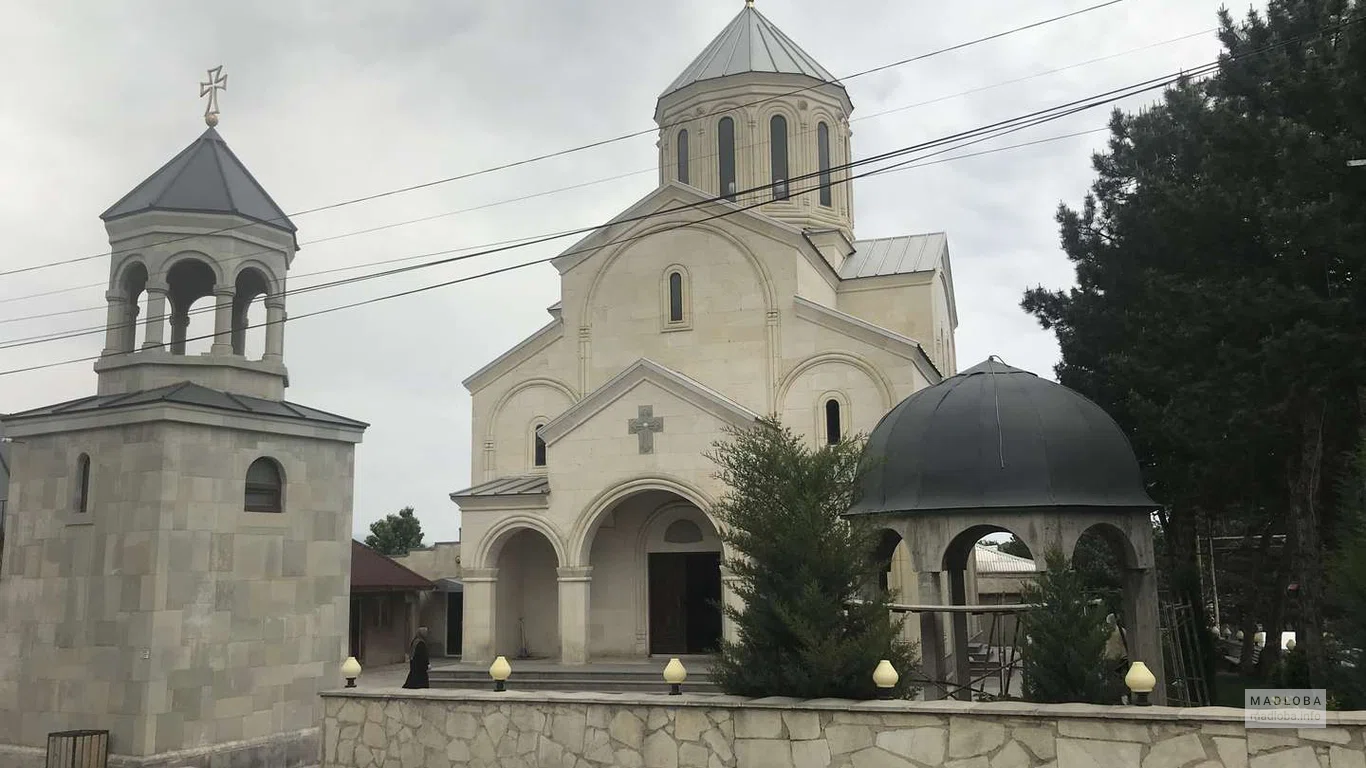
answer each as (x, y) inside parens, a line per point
(1007, 126)
(1035, 118)
(599, 143)
(652, 169)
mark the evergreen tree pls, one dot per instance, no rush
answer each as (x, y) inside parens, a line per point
(814, 622)
(395, 534)
(1064, 651)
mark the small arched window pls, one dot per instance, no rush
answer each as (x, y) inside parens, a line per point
(538, 453)
(823, 161)
(675, 297)
(265, 486)
(777, 142)
(683, 155)
(83, 484)
(725, 152)
(832, 422)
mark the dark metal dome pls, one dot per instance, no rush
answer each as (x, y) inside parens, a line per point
(997, 437)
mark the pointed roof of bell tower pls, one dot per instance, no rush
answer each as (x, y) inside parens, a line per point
(206, 177)
(750, 43)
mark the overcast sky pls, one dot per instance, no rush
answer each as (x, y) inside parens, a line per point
(332, 101)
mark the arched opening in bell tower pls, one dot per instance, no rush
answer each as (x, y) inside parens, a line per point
(249, 314)
(189, 284)
(133, 285)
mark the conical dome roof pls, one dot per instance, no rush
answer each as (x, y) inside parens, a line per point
(205, 177)
(750, 43)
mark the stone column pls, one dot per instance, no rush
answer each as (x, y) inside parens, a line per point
(932, 635)
(962, 669)
(1141, 621)
(275, 329)
(179, 323)
(730, 599)
(222, 320)
(114, 323)
(575, 587)
(154, 334)
(477, 636)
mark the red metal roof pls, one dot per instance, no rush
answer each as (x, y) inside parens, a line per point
(373, 572)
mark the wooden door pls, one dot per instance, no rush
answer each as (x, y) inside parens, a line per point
(668, 615)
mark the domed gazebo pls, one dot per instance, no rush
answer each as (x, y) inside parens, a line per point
(998, 449)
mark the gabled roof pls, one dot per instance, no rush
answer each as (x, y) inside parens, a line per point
(373, 572)
(187, 393)
(686, 389)
(750, 43)
(206, 177)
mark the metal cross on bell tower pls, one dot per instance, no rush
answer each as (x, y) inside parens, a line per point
(217, 82)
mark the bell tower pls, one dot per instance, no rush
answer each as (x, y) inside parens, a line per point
(756, 119)
(200, 227)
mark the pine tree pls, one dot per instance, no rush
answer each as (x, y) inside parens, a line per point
(395, 534)
(814, 623)
(1064, 652)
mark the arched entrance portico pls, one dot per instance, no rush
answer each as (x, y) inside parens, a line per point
(657, 575)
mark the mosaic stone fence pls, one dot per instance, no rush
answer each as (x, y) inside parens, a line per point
(377, 728)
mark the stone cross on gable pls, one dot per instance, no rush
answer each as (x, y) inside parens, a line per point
(645, 426)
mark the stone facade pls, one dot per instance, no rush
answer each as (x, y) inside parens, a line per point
(685, 316)
(374, 729)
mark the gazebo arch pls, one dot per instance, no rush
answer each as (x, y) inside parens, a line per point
(995, 448)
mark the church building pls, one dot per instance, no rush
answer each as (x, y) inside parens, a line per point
(737, 288)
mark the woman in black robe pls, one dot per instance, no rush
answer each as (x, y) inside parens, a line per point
(418, 661)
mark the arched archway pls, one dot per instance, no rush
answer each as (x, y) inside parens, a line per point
(656, 562)
(248, 314)
(526, 595)
(189, 289)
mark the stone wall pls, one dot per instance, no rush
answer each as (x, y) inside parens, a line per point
(425, 729)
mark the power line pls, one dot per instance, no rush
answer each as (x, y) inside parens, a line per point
(599, 143)
(653, 169)
(1100, 99)
(1004, 127)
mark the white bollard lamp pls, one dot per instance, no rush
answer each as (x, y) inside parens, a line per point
(885, 677)
(500, 671)
(1141, 682)
(674, 675)
(350, 670)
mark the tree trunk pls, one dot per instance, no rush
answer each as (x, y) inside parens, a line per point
(1308, 548)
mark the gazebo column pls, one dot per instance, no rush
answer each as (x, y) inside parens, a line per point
(1141, 619)
(932, 635)
(962, 672)
(480, 617)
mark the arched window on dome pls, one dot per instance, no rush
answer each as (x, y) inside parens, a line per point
(833, 431)
(777, 143)
(823, 162)
(683, 156)
(725, 155)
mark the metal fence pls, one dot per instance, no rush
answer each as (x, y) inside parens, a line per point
(78, 749)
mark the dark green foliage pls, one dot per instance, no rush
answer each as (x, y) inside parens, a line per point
(814, 623)
(395, 534)
(1219, 313)
(1064, 655)
(1347, 579)
(1101, 569)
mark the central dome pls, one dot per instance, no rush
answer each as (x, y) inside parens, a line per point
(997, 437)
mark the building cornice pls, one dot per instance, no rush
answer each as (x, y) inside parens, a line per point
(509, 360)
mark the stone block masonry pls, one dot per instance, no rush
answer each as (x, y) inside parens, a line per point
(377, 728)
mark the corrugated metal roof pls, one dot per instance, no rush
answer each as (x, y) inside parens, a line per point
(895, 255)
(187, 393)
(521, 485)
(992, 560)
(206, 177)
(750, 43)
(373, 572)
